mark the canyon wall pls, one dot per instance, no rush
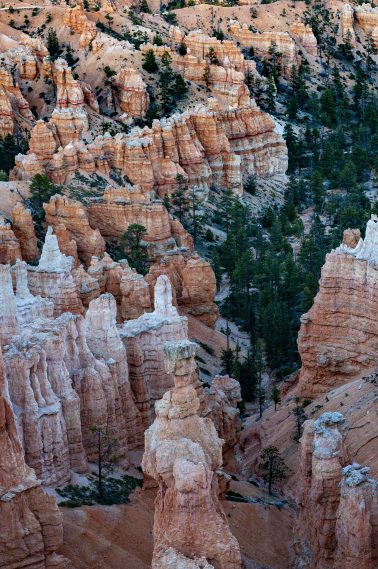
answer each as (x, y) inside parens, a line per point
(33, 530)
(338, 335)
(206, 146)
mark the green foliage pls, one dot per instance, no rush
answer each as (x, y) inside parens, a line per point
(211, 57)
(133, 249)
(144, 7)
(53, 43)
(180, 87)
(115, 491)
(300, 417)
(249, 185)
(272, 466)
(170, 18)
(9, 148)
(149, 61)
(41, 189)
(276, 396)
(158, 40)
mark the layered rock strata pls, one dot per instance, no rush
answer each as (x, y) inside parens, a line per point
(208, 145)
(144, 339)
(132, 92)
(104, 341)
(262, 42)
(33, 530)
(305, 36)
(23, 228)
(367, 18)
(182, 452)
(193, 282)
(338, 515)
(10, 249)
(61, 210)
(338, 336)
(123, 207)
(222, 401)
(54, 279)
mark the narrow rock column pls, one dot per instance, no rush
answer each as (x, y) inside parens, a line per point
(182, 453)
(357, 520)
(8, 318)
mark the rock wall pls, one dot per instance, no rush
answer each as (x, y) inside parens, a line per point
(144, 339)
(33, 530)
(338, 335)
(54, 279)
(182, 452)
(132, 92)
(262, 42)
(23, 228)
(206, 146)
(9, 246)
(193, 282)
(122, 207)
(338, 513)
(104, 341)
(61, 210)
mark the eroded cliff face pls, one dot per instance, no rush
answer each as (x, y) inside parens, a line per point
(31, 527)
(144, 339)
(206, 146)
(338, 512)
(338, 336)
(182, 452)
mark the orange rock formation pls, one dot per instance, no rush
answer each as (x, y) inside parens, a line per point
(182, 453)
(337, 339)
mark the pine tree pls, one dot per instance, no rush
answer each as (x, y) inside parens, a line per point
(179, 199)
(131, 245)
(276, 397)
(158, 40)
(317, 188)
(166, 83)
(180, 86)
(149, 61)
(207, 77)
(271, 92)
(300, 417)
(272, 466)
(52, 43)
(211, 56)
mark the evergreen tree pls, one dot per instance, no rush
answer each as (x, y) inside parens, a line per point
(272, 466)
(317, 188)
(179, 199)
(207, 77)
(158, 40)
(300, 417)
(135, 252)
(273, 63)
(149, 61)
(211, 57)
(180, 87)
(276, 397)
(271, 92)
(53, 43)
(166, 86)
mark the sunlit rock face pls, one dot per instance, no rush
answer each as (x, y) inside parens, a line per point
(338, 336)
(182, 452)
